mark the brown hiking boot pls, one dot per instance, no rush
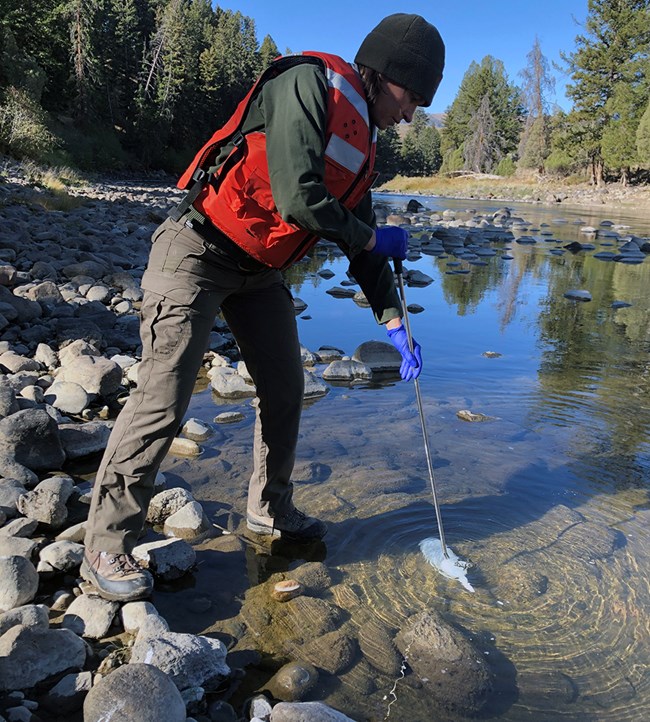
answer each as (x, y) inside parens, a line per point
(117, 577)
(293, 525)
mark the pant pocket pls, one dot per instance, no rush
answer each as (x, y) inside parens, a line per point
(166, 322)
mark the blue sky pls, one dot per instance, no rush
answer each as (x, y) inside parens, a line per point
(471, 29)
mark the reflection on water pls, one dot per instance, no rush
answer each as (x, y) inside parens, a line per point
(549, 501)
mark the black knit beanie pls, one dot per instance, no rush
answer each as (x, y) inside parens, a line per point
(408, 51)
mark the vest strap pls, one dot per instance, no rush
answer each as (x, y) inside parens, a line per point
(200, 178)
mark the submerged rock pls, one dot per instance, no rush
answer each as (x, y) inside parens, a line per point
(333, 652)
(377, 646)
(303, 711)
(467, 415)
(578, 295)
(450, 667)
(293, 682)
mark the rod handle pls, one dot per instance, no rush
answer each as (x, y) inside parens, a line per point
(397, 262)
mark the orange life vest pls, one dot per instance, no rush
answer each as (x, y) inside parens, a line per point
(238, 198)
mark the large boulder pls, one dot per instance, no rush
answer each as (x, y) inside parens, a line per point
(80, 440)
(379, 356)
(90, 616)
(169, 559)
(47, 502)
(25, 309)
(95, 374)
(29, 656)
(29, 442)
(8, 402)
(190, 660)
(135, 692)
(18, 582)
(30, 615)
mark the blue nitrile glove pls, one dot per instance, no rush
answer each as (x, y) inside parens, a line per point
(411, 362)
(391, 241)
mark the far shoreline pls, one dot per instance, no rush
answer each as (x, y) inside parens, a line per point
(511, 190)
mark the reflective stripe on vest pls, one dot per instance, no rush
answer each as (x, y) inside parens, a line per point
(338, 149)
(336, 80)
(344, 154)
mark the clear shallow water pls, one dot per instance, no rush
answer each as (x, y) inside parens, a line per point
(549, 500)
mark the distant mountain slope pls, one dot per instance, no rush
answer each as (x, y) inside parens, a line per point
(437, 120)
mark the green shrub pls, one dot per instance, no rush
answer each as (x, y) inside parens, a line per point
(96, 149)
(559, 163)
(23, 129)
(506, 167)
(453, 161)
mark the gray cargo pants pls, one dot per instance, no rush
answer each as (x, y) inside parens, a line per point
(185, 284)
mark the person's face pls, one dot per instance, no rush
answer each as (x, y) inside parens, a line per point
(393, 104)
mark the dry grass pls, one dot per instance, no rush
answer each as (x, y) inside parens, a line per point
(466, 187)
(48, 188)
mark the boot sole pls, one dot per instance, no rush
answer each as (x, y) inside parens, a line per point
(262, 529)
(88, 575)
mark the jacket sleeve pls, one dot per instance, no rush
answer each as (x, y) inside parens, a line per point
(374, 273)
(295, 117)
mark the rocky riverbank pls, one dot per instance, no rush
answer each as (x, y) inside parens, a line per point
(69, 298)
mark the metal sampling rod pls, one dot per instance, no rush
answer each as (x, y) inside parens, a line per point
(418, 396)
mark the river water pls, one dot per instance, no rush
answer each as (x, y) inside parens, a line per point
(548, 499)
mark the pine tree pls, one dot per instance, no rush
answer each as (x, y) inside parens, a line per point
(229, 64)
(23, 28)
(534, 145)
(619, 134)
(83, 21)
(487, 80)
(268, 52)
(613, 49)
(430, 144)
(643, 138)
(421, 147)
(121, 44)
(388, 162)
(481, 148)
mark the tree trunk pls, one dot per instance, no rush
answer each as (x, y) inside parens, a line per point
(598, 172)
